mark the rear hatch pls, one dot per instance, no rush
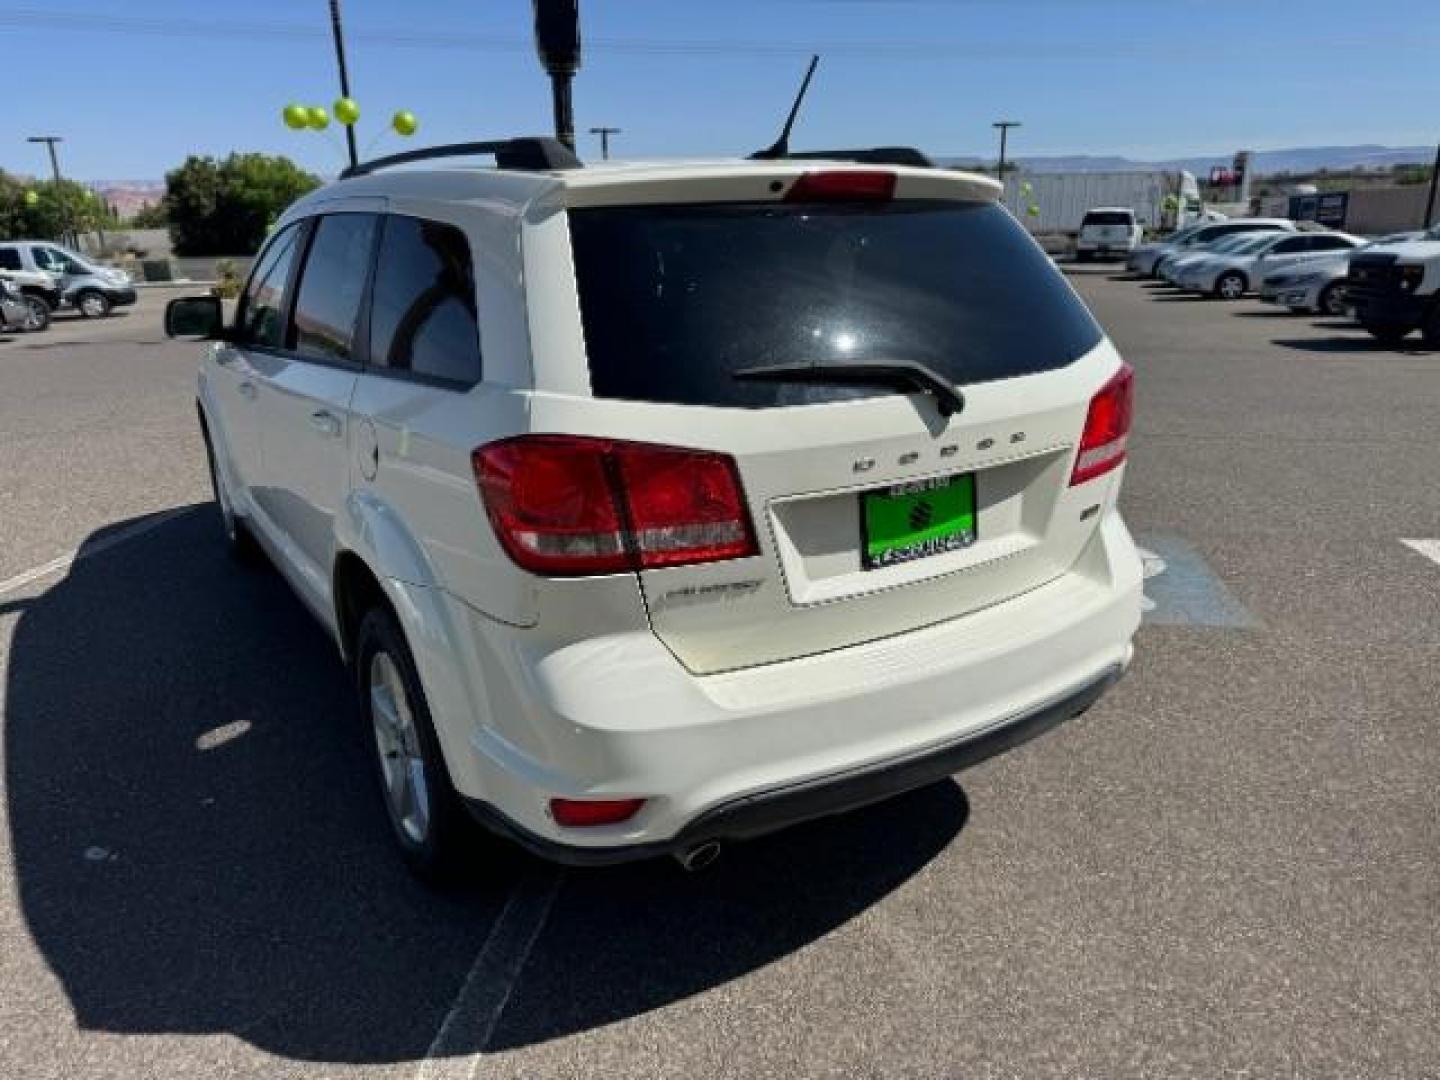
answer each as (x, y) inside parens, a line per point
(873, 511)
(1106, 227)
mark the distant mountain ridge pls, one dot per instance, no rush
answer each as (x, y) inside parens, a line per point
(1263, 163)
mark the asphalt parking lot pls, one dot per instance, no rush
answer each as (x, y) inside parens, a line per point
(1230, 867)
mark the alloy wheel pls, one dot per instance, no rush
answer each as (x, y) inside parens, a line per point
(402, 767)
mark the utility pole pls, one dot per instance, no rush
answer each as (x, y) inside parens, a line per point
(1430, 201)
(66, 233)
(1004, 126)
(604, 133)
(557, 40)
(344, 75)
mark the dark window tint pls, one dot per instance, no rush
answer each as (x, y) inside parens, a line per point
(332, 283)
(9, 259)
(422, 317)
(56, 261)
(1330, 243)
(1287, 247)
(676, 298)
(262, 309)
(1107, 217)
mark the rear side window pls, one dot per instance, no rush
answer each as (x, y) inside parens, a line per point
(9, 259)
(332, 284)
(423, 318)
(1107, 217)
(262, 309)
(675, 299)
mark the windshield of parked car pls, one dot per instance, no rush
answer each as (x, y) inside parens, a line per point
(675, 299)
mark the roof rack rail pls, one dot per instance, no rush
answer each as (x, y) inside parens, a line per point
(874, 155)
(525, 154)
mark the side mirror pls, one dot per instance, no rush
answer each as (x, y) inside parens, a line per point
(196, 318)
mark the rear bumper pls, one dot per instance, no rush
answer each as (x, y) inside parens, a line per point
(762, 812)
(744, 752)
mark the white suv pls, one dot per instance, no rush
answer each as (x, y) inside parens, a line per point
(656, 506)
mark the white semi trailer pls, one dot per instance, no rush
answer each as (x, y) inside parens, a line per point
(1063, 198)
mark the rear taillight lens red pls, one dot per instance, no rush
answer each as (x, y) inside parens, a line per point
(565, 505)
(1107, 428)
(580, 813)
(848, 185)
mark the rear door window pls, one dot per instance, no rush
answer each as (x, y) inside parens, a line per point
(423, 319)
(9, 259)
(332, 284)
(675, 299)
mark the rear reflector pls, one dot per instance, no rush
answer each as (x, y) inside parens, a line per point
(847, 185)
(566, 505)
(579, 813)
(1107, 428)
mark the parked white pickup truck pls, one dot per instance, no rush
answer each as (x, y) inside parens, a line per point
(1395, 288)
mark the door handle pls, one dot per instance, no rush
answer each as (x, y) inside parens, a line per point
(325, 422)
(247, 390)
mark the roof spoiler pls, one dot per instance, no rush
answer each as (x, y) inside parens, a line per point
(874, 155)
(525, 154)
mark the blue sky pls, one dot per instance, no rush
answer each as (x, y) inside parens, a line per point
(134, 87)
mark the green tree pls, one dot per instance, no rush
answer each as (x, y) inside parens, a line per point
(226, 207)
(150, 217)
(45, 210)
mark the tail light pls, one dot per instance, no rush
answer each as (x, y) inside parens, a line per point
(1107, 428)
(566, 505)
(581, 813)
(847, 185)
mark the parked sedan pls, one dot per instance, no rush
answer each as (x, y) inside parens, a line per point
(1318, 287)
(1232, 276)
(1184, 261)
(1152, 261)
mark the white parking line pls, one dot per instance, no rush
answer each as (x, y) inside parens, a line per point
(35, 573)
(460, 1043)
(1429, 548)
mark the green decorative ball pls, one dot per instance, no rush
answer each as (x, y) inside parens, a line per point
(347, 111)
(404, 123)
(1033, 210)
(319, 118)
(32, 198)
(296, 117)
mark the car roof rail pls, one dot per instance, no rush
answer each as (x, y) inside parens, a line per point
(525, 154)
(873, 155)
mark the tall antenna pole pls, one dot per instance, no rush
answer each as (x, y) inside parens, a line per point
(344, 75)
(781, 147)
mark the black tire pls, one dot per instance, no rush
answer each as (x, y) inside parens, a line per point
(1430, 328)
(38, 318)
(1387, 333)
(1084, 256)
(449, 839)
(240, 545)
(1331, 300)
(1231, 285)
(1155, 269)
(92, 303)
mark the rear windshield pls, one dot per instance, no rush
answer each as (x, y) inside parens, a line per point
(676, 298)
(1107, 217)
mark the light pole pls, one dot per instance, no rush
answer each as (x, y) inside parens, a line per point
(50, 141)
(1004, 126)
(339, 35)
(605, 133)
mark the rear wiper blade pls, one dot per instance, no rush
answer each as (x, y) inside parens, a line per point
(905, 374)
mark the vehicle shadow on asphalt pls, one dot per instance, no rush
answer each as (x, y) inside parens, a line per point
(199, 848)
(1359, 342)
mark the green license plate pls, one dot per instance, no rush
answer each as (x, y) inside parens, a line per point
(917, 520)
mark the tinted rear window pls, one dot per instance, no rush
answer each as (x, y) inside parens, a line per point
(676, 298)
(1107, 217)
